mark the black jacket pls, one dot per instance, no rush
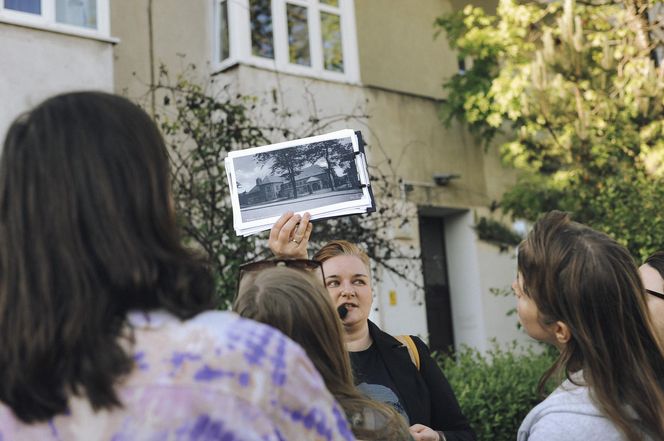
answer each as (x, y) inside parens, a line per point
(426, 395)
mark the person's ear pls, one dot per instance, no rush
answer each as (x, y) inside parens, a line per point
(561, 333)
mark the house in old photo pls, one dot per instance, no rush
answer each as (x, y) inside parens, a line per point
(312, 179)
(266, 189)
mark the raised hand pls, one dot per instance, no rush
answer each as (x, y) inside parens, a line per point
(289, 237)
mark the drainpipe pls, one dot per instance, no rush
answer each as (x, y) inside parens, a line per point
(153, 102)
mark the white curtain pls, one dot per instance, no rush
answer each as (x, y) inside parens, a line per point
(77, 12)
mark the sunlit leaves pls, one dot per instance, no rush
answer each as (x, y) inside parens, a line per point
(574, 88)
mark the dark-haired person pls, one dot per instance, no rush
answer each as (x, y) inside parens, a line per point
(106, 331)
(580, 291)
(382, 366)
(652, 275)
(298, 305)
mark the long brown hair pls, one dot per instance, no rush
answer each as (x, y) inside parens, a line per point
(87, 233)
(588, 281)
(299, 306)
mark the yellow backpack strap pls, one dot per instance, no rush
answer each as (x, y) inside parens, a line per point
(408, 342)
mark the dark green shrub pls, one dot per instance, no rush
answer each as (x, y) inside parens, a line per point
(494, 232)
(496, 389)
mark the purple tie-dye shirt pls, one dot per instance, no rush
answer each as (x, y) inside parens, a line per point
(213, 377)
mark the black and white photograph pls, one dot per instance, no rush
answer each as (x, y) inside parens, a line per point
(323, 175)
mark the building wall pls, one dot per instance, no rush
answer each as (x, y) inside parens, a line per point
(37, 64)
(397, 49)
(181, 35)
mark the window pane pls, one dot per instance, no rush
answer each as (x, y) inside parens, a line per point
(330, 2)
(260, 12)
(298, 35)
(31, 6)
(224, 47)
(333, 56)
(77, 12)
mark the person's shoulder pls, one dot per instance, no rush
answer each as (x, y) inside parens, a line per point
(212, 348)
(226, 324)
(244, 335)
(382, 337)
(568, 398)
(227, 327)
(419, 342)
(568, 413)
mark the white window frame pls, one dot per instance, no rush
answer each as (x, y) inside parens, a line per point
(240, 39)
(46, 20)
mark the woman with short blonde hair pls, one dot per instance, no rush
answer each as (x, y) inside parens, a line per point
(296, 303)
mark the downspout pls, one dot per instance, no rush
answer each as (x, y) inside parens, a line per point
(153, 99)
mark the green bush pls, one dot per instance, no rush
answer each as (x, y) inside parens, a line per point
(496, 389)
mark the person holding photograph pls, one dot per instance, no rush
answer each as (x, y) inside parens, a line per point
(382, 366)
(652, 274)
(107, 322)
(297, 304)
(580, 291)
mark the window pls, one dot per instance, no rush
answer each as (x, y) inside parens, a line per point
(85, 17)
(308, 37)
(260, 22)
(28, 6)
(224, 43)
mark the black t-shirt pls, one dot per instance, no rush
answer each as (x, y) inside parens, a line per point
(373, 379)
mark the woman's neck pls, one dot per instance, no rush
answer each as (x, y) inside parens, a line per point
(357, 337)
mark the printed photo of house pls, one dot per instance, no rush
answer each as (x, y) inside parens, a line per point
(310, 180)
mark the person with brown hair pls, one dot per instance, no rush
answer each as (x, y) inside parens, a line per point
(580, 291)
(652, 275)
(382, 366)
(297, 304)
(107, 322)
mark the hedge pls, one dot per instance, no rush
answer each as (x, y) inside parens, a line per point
(496, 389)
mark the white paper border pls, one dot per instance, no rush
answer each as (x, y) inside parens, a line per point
(357, 206)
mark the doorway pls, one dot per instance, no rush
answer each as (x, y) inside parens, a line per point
(436, 283)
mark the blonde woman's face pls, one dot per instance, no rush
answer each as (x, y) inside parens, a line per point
(348, 282)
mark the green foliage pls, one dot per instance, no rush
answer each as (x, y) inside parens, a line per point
(200, 129)
(496, 389)
(201, 125)
(490, 230)
(574, 88)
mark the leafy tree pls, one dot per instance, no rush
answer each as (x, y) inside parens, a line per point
(334, 156)
(283, 162)
(200, 129)
(576, 91)
(322, 150)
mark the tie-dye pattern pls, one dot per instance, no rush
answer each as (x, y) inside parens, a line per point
(215, 377)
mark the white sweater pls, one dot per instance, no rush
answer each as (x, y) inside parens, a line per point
(568, 414)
